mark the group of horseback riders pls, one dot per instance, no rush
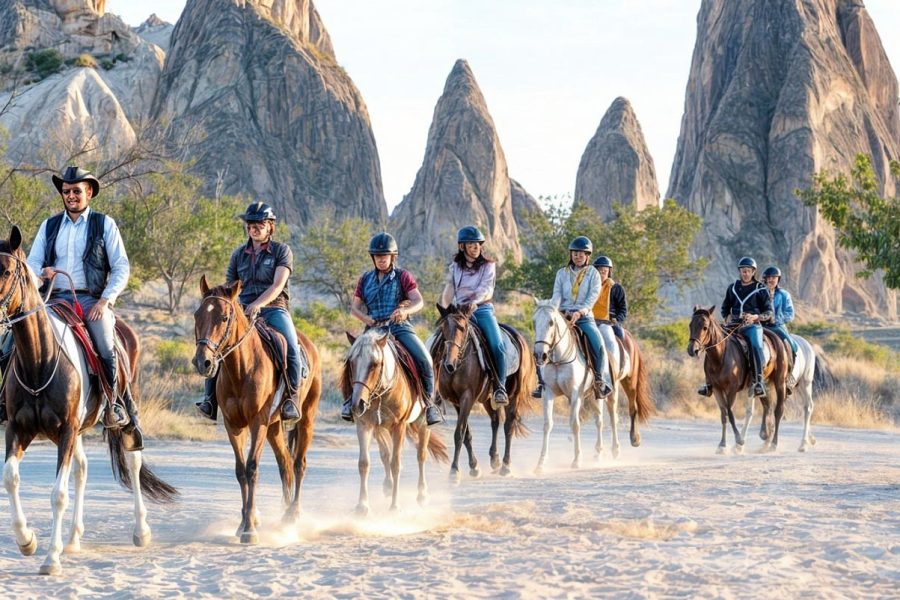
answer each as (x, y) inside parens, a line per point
(87, 246)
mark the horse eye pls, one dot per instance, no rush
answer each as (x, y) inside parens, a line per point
(224, 318)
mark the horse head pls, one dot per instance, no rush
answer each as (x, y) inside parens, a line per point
(454, 326)
(547, 330)
(363, 369)
(14, 274)
(217, 321)
(702, 321)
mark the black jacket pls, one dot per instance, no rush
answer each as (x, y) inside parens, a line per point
(752, 298)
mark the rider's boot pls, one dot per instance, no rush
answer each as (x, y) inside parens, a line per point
(347, 410)
(290, 410)
(705, 390)
(602, 389)
(208, 407)
(499, 397)
(116, 416)
(134, 437)
(432, 414)
(538, 392)
(759, 389)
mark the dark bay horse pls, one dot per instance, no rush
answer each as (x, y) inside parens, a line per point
(48, 394)
(386, 405)
(248, 390)
(463, 382)
(728, 371)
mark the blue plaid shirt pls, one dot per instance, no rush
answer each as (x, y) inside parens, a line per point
(383, 297)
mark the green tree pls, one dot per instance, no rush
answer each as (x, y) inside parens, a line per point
(174, 233)
(332, 253)
(649, 249)
(864, 221)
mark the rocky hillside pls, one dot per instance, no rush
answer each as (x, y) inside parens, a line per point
(463, 179)
(777, 91)
(616, 165)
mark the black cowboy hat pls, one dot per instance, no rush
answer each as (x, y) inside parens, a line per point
(74, 175)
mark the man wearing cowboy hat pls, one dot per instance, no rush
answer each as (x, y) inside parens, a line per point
(87, 245)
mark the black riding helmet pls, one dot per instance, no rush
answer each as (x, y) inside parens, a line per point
(383, 243)
(772, 271)
(603, 261)
(469, 234)
(258, 211)
(581, 243)
(747, 262)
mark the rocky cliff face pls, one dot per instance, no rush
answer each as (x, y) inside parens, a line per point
(525, 208)
(616, 165)
(463, 179)
(779, 90)
(281, 121)
(156, 31)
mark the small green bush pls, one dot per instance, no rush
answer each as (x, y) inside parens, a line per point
(86, 60)
(845, 344)
(174, 356)
(669, 336)
(44, 63)
(814, 328)
(107, 64)
(121, 57)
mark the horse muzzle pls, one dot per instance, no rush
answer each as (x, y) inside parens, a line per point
(693, 349)
(449, 367)
(540, 358)
(204, 363)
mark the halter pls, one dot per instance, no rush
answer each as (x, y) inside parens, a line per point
(380, 389)
(722, 341)
(218, 356)
(18, 282)
(462, 346)
(559, 338)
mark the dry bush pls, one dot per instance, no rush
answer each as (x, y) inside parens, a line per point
(164, 416)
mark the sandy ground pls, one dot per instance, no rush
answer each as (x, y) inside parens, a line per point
(669, 519)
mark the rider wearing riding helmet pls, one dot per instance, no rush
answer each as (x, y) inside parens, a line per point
(387, 296)
(747, 301)
(576, 290)
(783, 308)
(611, 308)
(263, 266)
(470, 280)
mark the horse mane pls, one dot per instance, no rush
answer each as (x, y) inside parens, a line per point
(366, 340)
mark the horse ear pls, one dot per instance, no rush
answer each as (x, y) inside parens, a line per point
(468, 310)
(350, 337)
(204, 285)
(234, 288)
(442, 311)
(555, 303)
(15, 238)
(712, 309)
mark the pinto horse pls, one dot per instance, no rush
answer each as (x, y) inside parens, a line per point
(728, 371)
(48, 393)
(462, 381)
(249, 389)
(566, 374)
(385, 404)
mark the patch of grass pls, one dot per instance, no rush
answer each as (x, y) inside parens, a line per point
(672, 336)
(845, 344)
(44, 63)
(174, 355)
(167, 413)
(85, 60)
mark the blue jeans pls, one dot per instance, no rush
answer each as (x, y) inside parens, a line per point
(404, 334)
(754, 335)
(595, 342)
(782, 332)
(280, 320)
(102, 331)
(487, 322)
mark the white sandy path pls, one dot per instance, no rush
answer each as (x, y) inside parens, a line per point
(670, 519)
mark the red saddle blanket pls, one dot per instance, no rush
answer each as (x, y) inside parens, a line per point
(71, 316)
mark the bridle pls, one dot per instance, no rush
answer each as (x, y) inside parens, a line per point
(458, 319)
(380, 388)
(559, 338)
(220, 349)
(708, 346)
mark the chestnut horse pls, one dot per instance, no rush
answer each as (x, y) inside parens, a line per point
(729, 372)
(48, 393)
(386, 405)
(249, 389)
(462, 381)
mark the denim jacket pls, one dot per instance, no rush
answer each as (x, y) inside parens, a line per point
(784, 307)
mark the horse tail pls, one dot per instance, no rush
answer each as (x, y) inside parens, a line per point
(643, 400)
(518, 427)
(823, 376)
(525, 382)
(155, 488)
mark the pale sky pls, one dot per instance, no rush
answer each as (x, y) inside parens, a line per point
(548, 71)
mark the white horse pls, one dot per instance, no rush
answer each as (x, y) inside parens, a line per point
(803, 372)
(566, 374)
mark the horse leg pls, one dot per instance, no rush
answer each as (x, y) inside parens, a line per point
(548, 427)
(507, 433)
(738, 439)
(781, 394)
(805, 393)
(575, 424)
(474, 471)
(81, 467)
(59, 499)
(612, 407)
(275, 436)
(598, 420)
(748, 416)
(238, 439)
(15, 449)
(397, 434)
(495, 426)
(764, 426)
(384, 450)
(421, 455)
(141, 535)
(257, 441)
(364, 437)
(723, 414)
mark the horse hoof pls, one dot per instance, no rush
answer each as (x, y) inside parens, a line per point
(576, 464)
(455, 477)
(387, 489)
(495, 463)
(539, 470)
(362, 510)
(31, 547)
(739, 449)
(763, 435)
(289, 517)
(636, 440)
(249, 538)
(812, 441)
(720, 450)
(802, 448)
(505, 471)
(475, 472)
(422, 499)
(53, 568)
(72, 548)
(142, 541)
(395, 508)
(615, 452)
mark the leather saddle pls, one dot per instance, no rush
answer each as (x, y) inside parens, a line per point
(276, 348)
(408, 367)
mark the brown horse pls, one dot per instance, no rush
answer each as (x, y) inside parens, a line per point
(48, 393)
(386, 405)
(462, 381)
(248, 389)
(728, 371)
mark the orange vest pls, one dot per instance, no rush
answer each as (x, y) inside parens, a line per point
(601, 307)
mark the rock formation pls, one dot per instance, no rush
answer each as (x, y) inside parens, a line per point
(280, 120)
(463, 179)
(616, 165)
(156, 31)
(525, 208)
(778, 91)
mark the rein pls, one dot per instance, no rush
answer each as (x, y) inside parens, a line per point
(218, 356)
(552, 347)
(722, 341)
(462, 347)
(380, 388)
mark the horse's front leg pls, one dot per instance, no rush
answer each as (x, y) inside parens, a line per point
(508, 424)
(238, 439)
(764, 426)
(59, 499)
(548, 427)
(141, 535)
(598, 421)
(81, 469)
(781, 394)
(421, 454)
(748, 416)
(364, 437)
(495, 426)
(575, 424)
(738, 438)
(723, 414)
(397, 434)
(612, 407)
(804, 391)
(15, 449)
(384, 450)
(257, 442)
(474, 471)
